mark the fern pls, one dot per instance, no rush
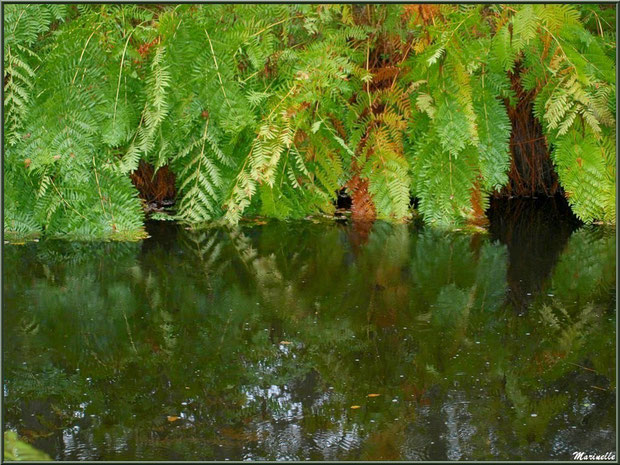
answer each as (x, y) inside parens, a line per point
(22, 27)
(274, 109)
(201, 178)
(580, 160)
(494, 135)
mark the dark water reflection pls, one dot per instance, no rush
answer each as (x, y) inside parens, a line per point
(300, 341)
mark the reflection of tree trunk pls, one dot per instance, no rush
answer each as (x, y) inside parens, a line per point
(386, 443)
(391, 292)
(531, 169)
(536, 232)
(359, 234)
(475, 245)
(164, 236)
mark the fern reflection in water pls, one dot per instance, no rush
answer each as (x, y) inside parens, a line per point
(254, 343)
(274, 109)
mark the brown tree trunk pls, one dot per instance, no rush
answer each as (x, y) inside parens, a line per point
(154, 186)
(531, 170)
(477, 215)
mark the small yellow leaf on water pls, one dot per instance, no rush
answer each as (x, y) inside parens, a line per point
(285, 342)
(355, 406)
(374, 395)
(172, 418)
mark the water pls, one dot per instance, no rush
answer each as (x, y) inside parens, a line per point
(306, 341)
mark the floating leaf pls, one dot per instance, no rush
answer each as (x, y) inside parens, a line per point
(374, 395)
(172, 418)
(355, 406)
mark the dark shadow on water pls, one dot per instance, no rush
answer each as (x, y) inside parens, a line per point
(535, 230)
(161, 234)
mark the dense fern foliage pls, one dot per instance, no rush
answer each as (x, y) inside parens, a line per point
(274, 109)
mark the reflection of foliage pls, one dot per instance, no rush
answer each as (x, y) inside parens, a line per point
(573, 320)
(49, 382)
(587, 264)
(245, 333)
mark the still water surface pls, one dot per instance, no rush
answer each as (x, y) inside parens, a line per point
(304, 341)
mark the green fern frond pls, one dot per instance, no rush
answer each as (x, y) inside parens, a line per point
(580, 161)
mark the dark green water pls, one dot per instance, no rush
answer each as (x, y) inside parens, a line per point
(258, 343)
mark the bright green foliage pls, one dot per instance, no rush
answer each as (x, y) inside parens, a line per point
(15, 449)
(62, 153)
(587, 170)
(272, 109)
(23, 26)
(576, 103)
